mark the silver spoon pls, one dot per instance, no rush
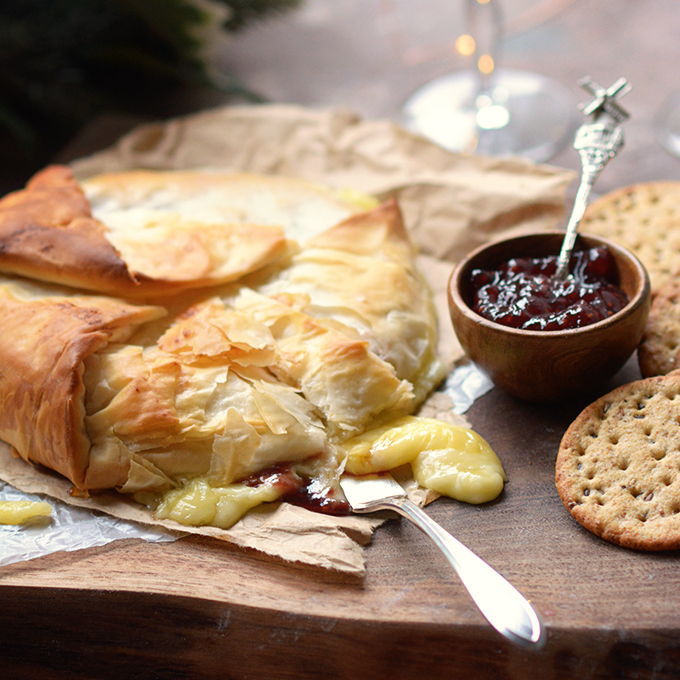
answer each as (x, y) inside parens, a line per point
(500, 602)
(597, 143)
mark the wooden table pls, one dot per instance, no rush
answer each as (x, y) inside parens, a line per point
(198, 609)
(194, 609)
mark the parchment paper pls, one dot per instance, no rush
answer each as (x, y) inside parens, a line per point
(451, 204)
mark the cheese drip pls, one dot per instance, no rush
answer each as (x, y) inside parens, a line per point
(449, 459)
(199, 504)
(202, 502)
(18, 512)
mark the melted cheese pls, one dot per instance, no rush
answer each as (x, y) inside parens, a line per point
(448, 459)
(451, 460)
(199, 504)
(18, 512)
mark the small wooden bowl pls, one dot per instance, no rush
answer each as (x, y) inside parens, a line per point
(545, 366)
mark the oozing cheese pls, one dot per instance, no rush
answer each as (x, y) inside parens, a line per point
(18, 512)
(199, 504)
(203, 501)
(453, 461)
(449, 459)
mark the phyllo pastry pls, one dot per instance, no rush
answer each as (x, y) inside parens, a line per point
(47, 335)
(286, 322)
(142, 233)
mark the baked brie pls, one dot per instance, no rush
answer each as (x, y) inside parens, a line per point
(205, 341)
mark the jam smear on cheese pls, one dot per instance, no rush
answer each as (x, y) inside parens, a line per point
(300, 489)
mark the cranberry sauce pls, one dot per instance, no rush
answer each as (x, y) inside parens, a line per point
(521, 293)
(298, 490)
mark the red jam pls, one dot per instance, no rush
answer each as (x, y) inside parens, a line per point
(307, 493)
(521, 293)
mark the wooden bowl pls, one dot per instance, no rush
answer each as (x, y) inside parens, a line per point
(546, 366)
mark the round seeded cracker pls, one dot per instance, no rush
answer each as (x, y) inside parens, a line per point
(659, 351)
(645, 218)
(618, 466)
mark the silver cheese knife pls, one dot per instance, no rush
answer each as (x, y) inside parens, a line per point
(501, 603)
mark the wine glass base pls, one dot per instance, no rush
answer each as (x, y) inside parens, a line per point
(523, 114)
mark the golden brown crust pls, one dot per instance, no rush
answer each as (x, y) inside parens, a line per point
(363, 271)
(270, 372)
(47, 232)
(43, 345)
(190, 229)
(617, 469)
(368, 232)
(276, 367)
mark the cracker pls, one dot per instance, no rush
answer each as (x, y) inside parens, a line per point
(617, 469)
(645, 218)
(659, 351)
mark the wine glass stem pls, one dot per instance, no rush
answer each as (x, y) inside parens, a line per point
(485, 25)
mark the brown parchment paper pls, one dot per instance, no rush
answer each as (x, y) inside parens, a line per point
(451, 204)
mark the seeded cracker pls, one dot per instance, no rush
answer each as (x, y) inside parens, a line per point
(645, 218)
(659, 351)
(617, 469)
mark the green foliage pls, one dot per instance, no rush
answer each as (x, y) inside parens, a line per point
(62, 61)
(246, 11)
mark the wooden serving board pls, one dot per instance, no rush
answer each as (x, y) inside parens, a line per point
(201, 609)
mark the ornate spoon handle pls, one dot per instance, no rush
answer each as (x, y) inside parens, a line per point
(597, 143)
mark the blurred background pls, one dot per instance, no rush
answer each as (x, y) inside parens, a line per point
(76, 74)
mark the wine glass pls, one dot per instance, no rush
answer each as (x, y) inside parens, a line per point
(490, 110)
(667, 124)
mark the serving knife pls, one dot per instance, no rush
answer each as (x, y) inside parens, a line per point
(501, 603)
